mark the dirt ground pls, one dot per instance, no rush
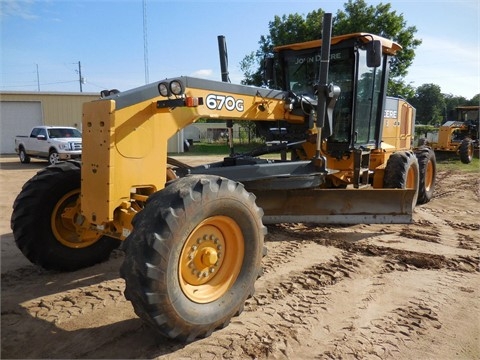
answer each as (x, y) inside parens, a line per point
(327, 292)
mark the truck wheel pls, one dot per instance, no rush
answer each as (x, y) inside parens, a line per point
(427, 164)
(402, 172)
(53, 157)
(24, 158)
(43, 222)
(193, 256)
(465, 150)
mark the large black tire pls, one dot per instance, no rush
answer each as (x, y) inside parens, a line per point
(465, 151)
(41, 233)
(427, 164)
(402, 172)
(193, 256)
(24, 158)
(422, 142)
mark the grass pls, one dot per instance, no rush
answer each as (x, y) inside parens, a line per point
(453, 163)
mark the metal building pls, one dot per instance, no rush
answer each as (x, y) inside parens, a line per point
(20, 111)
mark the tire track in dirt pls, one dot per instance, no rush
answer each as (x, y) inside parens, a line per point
(414, 312)
(281, 251)
(383, 336)
(285, 310)
(362, 291)
(62, 307)
(431, 226)
(448, 184)
(75, 299)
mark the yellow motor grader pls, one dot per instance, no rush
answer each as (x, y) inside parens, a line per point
(460, 136)
(194, 236)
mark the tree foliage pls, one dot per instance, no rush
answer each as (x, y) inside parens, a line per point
(430, 104)
(380, 20)
(357, 16)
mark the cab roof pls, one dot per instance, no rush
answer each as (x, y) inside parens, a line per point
(388, 46)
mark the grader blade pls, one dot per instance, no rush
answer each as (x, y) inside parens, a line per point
(337, 206)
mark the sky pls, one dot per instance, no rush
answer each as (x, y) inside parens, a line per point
(44, 44)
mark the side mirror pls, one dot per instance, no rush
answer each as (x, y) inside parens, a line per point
(41, 137)
(268, 63)
(374, 53)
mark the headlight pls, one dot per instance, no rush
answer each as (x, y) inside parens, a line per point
(176, 87)
(163, 89)
(66, 146)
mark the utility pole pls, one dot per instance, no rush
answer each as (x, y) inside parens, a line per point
(38, 79)
(80, 79)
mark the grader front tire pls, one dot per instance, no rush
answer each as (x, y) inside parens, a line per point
(402, 172)
(43, 234)
(193, 256)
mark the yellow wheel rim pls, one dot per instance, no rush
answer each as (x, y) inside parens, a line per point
(429, 175)
(64, 226)
(171, 174)
(411, 178)
(211, 259)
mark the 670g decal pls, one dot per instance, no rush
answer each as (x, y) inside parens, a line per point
(219, 102)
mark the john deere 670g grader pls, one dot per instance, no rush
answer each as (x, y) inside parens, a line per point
(194, 236)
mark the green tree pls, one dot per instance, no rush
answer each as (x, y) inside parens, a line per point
(451, 102)
(286, 29)
(430, 104)
(357, 17)
(474, 101)
(380, 20)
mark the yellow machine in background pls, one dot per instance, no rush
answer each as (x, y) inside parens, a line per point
(194, 235)
(460, 136)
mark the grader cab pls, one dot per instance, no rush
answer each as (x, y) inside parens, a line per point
(194, 236)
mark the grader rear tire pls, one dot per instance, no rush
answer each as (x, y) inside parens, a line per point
(46, 237)
(427, 164)
(402, 172)
(193, 256)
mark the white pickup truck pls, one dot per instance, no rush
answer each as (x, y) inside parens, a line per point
(54, 143)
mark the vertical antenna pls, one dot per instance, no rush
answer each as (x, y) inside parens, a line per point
(145, 41)
(222, 50)
(322, 87)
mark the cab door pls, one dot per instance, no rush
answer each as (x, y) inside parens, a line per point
(42, 143)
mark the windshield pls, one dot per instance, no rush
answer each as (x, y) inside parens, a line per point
(356, 109)
(367, 100)
(63, 133)
(302, 75)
